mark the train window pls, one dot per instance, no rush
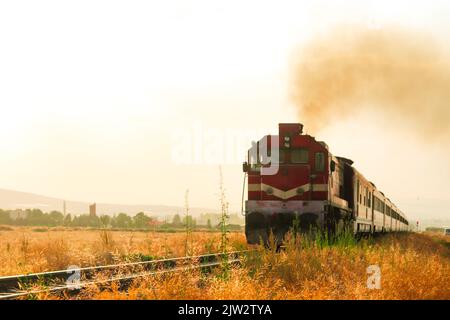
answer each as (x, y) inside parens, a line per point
(320, 161)
(379, 205)
(357, 192)
(300, 155)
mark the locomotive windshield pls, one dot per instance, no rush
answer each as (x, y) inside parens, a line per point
(300, 155)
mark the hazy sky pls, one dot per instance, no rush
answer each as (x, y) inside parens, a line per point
(102, 100)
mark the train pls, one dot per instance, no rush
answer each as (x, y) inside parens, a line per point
(294, 180)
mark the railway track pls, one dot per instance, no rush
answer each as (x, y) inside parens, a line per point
(13, 287)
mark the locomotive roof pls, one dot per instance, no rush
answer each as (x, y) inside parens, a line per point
(346, 160)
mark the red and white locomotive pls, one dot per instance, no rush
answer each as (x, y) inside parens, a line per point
(311, 186)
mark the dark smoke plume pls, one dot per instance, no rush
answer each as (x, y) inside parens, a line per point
(405, 75)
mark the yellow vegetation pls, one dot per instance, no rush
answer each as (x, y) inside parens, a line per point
(30, 249)
(413, 266)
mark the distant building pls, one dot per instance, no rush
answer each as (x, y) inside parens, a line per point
(155, 223)
(93, 210)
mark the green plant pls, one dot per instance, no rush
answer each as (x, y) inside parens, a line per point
(24, 247)
(106, 238)
(188, 222)
(223, 228)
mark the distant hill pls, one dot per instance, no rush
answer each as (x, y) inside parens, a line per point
(21, 200)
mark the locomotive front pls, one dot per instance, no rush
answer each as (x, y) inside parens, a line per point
(288, 184)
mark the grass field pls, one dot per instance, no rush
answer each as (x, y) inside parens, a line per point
(37, 249)
(412, 266)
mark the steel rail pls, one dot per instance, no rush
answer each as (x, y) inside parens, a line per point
(10, 285)
(80, 285)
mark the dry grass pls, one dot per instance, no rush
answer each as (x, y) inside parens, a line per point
(413, 266)
(25, 250)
